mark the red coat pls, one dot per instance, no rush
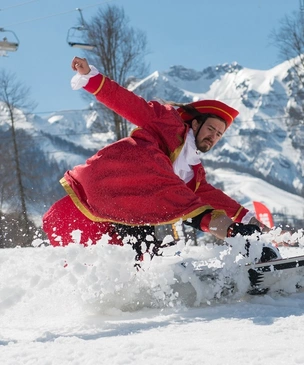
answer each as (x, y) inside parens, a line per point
(132, 181)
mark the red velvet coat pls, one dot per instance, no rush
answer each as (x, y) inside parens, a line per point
(132, 181)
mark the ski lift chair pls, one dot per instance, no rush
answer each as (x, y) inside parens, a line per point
(76, 34)
(10, 46)
(73, 40)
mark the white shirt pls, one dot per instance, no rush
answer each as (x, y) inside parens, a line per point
(78, 81)
(187, 158)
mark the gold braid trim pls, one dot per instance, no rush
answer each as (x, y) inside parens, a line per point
(175, 233)
(209, 107)
(134, 130)
(100, 86)
(217, 214)
(197, 185)
(176, 152)
(78, 203)
(216, 108)
(237, 213)
(94, 218)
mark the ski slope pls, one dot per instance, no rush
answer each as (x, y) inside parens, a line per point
(88, 306)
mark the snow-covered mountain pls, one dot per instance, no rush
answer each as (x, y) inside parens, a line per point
(260, 145)
(259, 142)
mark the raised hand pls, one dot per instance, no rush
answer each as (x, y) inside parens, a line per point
(80, 65)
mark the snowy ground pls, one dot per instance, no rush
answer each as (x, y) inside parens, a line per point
(84, 306)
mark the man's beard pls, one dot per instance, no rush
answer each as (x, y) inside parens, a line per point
(204, 147)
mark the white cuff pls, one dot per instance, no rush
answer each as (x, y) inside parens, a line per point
(247, 217)
(78, 81)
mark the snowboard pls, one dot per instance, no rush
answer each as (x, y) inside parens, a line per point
(263, 276)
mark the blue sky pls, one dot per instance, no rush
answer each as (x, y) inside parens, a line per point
(194, 33)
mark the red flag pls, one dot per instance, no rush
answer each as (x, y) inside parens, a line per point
(263, 214)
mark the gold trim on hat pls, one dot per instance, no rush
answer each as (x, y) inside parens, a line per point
(209, 107)
(214, 107)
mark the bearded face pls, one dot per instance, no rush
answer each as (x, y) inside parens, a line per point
(207, 135)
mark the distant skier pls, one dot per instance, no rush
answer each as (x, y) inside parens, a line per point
(154, 177)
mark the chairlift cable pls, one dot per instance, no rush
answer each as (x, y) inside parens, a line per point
(56, 14)
(16, 5)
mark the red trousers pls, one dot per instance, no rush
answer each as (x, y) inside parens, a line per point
(63, 219)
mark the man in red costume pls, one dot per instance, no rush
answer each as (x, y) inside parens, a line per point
(154, 177)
